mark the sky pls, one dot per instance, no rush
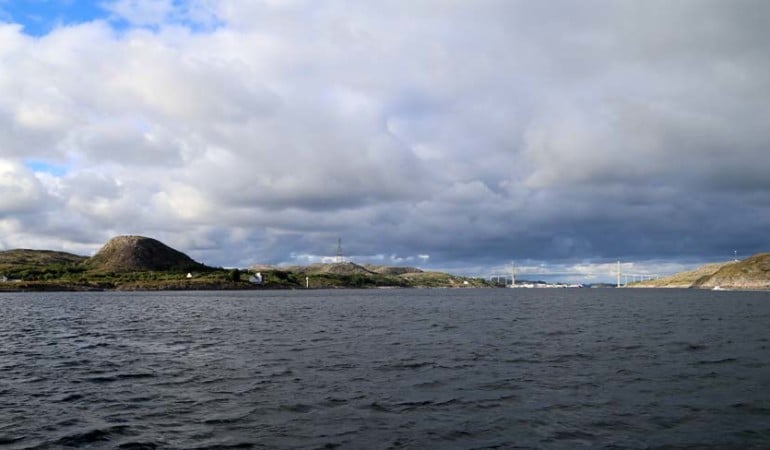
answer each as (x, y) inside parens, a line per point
(464, 136)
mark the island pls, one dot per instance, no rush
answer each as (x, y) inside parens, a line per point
(143, 263)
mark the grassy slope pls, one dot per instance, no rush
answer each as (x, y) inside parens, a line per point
(349, 274)
(684, 279)
(40, 264)
(751, 273)
(439, 279)
(26, 256)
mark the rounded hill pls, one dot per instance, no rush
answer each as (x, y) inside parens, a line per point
(139, 253)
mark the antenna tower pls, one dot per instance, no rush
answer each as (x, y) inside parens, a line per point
(340, 257)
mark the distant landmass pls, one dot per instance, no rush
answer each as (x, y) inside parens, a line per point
(143, 263)
(750, 273)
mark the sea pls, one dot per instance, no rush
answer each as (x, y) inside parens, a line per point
(386, 369)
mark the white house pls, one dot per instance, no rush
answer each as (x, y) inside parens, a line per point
(256, 279)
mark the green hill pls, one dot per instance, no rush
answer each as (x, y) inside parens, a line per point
(39, 264)
(27, 256)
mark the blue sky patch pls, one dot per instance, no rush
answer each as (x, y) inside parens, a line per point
(45, 167)
(39, 17)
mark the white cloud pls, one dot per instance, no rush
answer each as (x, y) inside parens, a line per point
(20, 191)
(469, 131)
(141, 12)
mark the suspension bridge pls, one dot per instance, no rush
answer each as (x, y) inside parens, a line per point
(622, 278)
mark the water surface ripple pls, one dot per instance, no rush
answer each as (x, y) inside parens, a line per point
(386, 369)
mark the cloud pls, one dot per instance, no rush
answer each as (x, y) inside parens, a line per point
(141, 12)
(195, 14)
(20, 191)
(475, 133)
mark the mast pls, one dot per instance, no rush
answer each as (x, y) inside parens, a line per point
(340, 257)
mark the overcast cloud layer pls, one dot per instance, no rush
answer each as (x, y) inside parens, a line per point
(459, 135)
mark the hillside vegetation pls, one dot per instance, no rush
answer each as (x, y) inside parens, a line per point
(141, 263)
(348, 274)
(32, 257)
(750, 273)
(125, 263)
(40, 264)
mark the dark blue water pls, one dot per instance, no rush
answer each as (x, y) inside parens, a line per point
(386, 369)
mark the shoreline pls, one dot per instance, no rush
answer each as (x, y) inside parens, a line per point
(20, 287)
(209, 287)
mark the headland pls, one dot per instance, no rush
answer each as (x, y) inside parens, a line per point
(752, 273)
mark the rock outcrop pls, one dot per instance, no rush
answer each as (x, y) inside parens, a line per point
(138, 253)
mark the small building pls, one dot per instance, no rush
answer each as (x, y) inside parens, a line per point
(256, 278)
(189, 275)
(3, 279)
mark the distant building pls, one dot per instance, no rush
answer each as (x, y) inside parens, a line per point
(189, 275)
(256, 279)
(3, 279)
